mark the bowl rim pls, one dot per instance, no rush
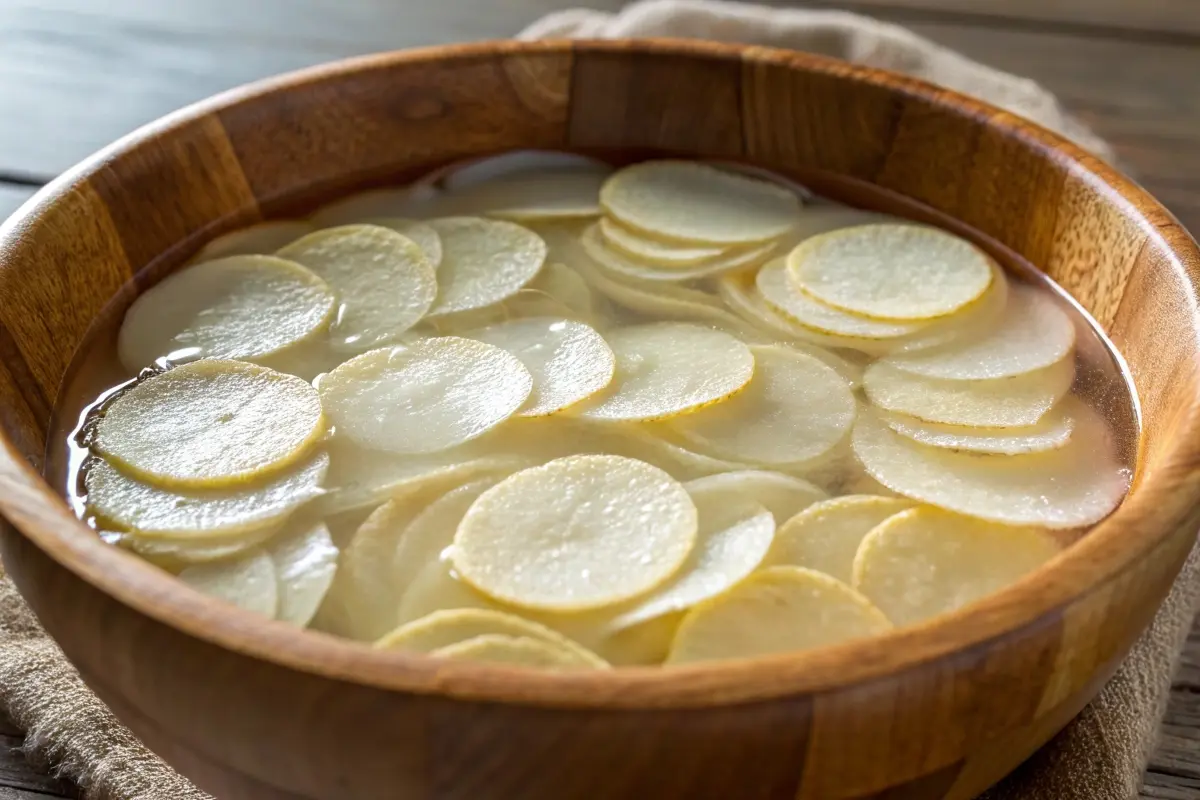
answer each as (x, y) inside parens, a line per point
(1156, 506)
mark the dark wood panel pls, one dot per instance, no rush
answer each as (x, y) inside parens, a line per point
(12, 196)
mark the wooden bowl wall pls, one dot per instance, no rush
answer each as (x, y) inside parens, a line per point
(250, 708)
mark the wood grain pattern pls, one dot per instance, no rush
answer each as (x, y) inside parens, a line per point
(254, 709)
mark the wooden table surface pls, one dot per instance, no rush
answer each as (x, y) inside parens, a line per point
(76, 74)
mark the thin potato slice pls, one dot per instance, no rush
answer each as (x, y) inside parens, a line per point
(898, 272)
(518, 651)
(374, 204)
(1000, 403)
(205, 514)
(569, 361)
(734, 535)
(533, 196)
(384, 281)
(305, 564)
(775, 287)
(517, 164)
(783, 495)
(210, 424)
(261, 239)
(421, 234)
(1075, 485)
(568, 287)
(665, 300)
(438, 588)
(444, 628)
(1032, 334)
(248, 582)
(973, 321)
(815, 220)
(696, 203)
(176, 554)
(305, 360)
(925, 562)
(777, 610)
(484, 261)
(670, 368)
(426, 397)
(577, 533)
(644, 248)
(1050, 432)
(825, 536)
(613, 261)
(236, 307)
(794, 410)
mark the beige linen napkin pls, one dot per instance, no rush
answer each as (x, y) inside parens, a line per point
(1099, 757)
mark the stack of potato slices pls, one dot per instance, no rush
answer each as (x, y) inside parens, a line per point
(541, 413)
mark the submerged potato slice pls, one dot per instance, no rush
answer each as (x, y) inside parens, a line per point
(566, 286)
(697, 203)
(385, 284)
(891, 271)
(444, 628)
(484, 261)
(795, 409)
(593, 244)
(175, 554)
(261, 239)
(248, 582)
(426, 397)
(925, 562)
(825, 536)
(579, 532)
(776, 610)
(1000, 403)
(211, 423)
(644, 248)
(421, 234)
(206, 514)
(519, 651)
(569, 361)
(670, 368)
(1032, 334)
(775, 287)
(241, 306)
(783, 495)
(1050, 432)
(1075, 485)
(437, 588)
(547, 194)
(970, 322)
(305, 564)
(733, 536)
(665, 300)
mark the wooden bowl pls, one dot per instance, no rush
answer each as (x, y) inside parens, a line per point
(253, 709)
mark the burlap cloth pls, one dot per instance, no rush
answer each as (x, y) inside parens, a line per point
(1100, 756)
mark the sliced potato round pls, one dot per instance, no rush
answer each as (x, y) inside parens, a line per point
(385, 283)
(444, 628)
(734, 535)
(637, 246)
(899, 272)
(817, 219)
(421, 234)
(359, 478)
(1050, 432)
(438, 588)
(569, 361)
(1000, 403)
(776, 610)
(1032, 334)
(199, 514)
(783, 495)
(248, 582)
(235, 307)
(670, 368)
(665, 300)
(579, 532)
(1075, 485)
(925, 562)
(613, 261)
(305, 360)
(211, 423)
(305, 564)
(972, 321)
(825, 536)
(795, 409)
(175, 554)
(517, 164)
(548, 194)
(519, 651)
(697, 203)
(566, 286)
(261, 239)
(484, 261)
(373, 204)
(426, 397)
(775, 287)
